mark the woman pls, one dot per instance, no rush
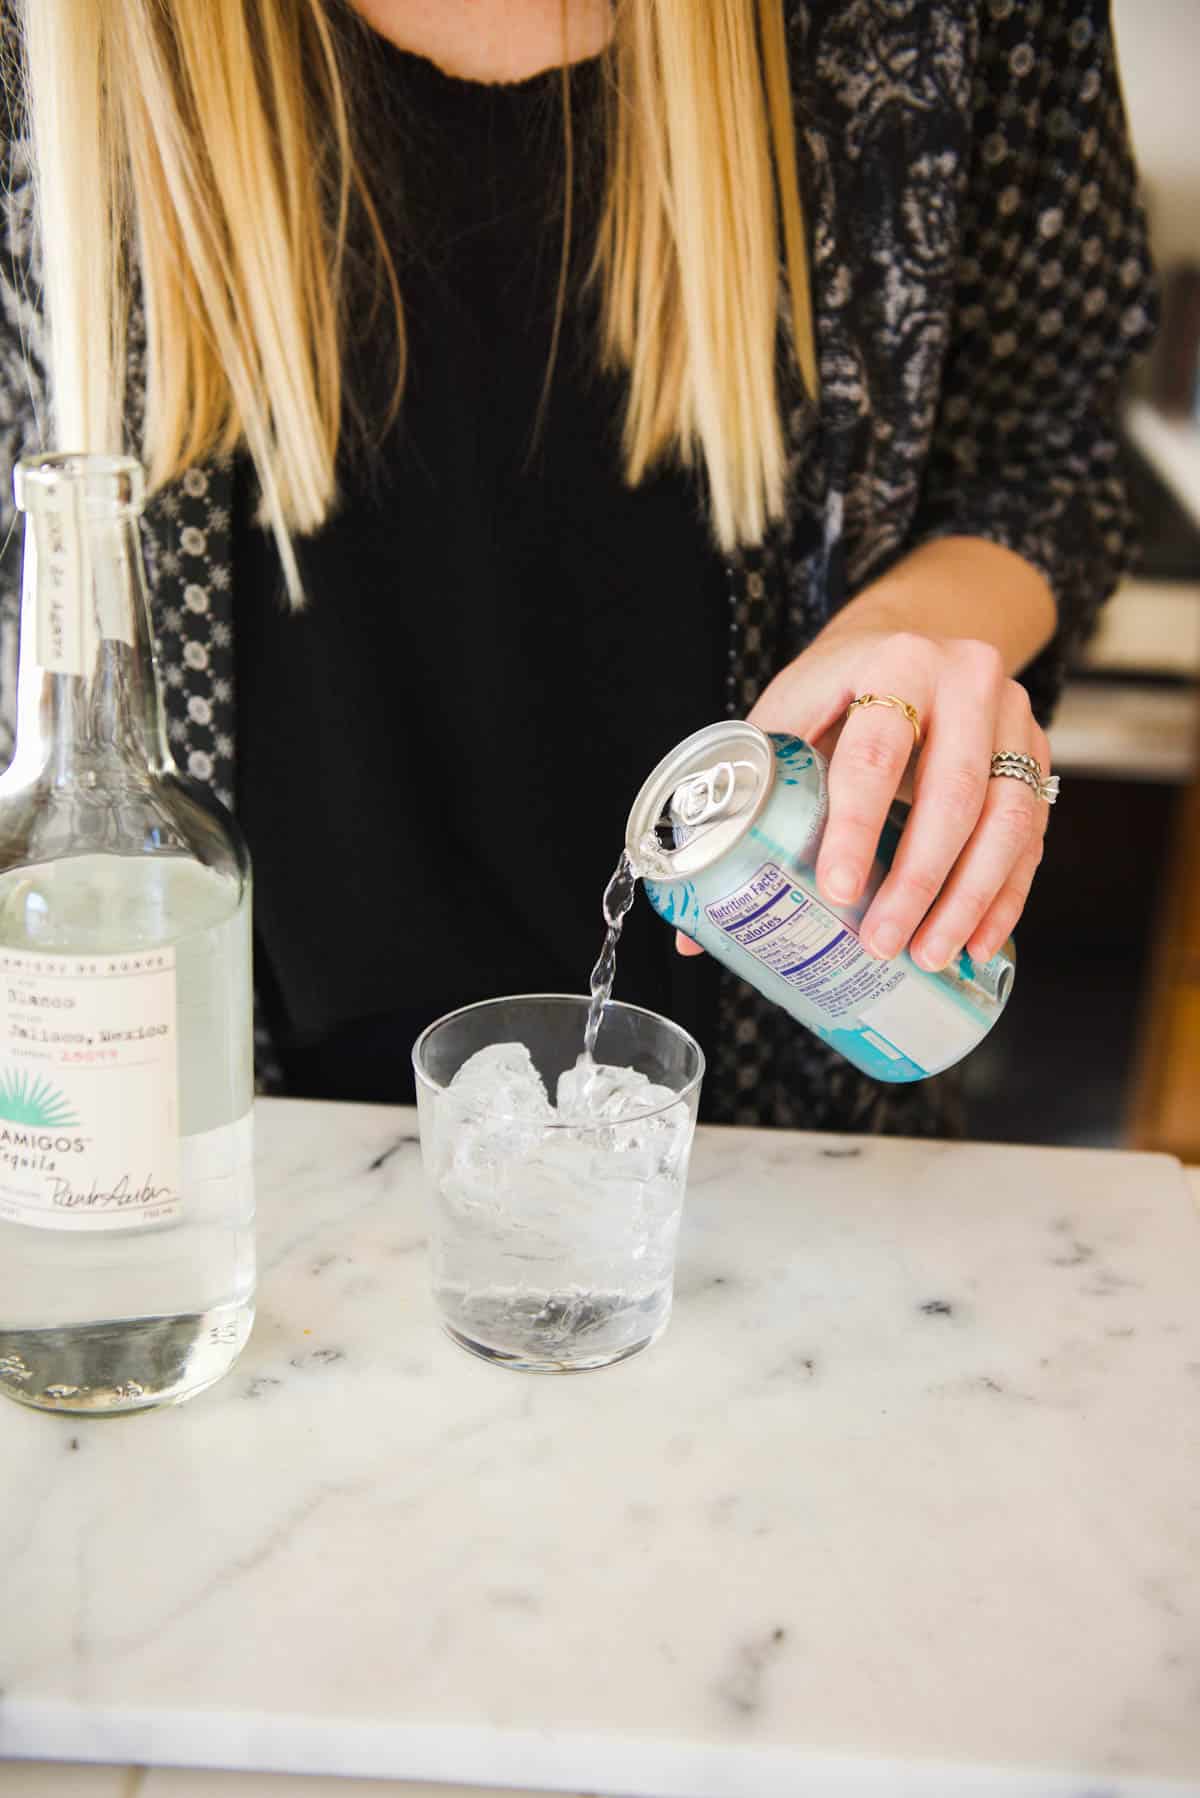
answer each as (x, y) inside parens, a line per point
(524, 384)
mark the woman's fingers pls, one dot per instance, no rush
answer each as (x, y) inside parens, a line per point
(868, 766)
(984, 895)
(969, 850)
(1000, 919)
(808, 699)
(951, 787)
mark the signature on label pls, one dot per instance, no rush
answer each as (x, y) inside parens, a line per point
(127, 1192)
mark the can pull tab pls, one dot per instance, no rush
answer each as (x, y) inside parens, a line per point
(708, 795)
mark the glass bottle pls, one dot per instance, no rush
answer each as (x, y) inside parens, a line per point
(126, 1076)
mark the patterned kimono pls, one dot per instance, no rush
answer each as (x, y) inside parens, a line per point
(981, 283)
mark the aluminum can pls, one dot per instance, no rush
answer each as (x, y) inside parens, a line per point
(725, 835)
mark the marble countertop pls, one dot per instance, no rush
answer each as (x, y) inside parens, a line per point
(905, 1502)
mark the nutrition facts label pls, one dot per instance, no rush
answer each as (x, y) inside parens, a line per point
(802, 942)
(899, 1013)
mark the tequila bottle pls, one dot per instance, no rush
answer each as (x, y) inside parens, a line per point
(126, 1082)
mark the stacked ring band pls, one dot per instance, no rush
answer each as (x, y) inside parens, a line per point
(899, 705)
(1010, 757)
(1008, 764)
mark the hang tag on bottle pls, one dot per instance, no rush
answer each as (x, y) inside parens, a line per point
(66, 621)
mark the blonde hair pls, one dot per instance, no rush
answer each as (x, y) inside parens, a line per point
(209, 146)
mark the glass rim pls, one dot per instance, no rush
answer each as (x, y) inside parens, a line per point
(684, 1094)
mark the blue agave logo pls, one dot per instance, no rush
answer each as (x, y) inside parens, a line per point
(31, 1099)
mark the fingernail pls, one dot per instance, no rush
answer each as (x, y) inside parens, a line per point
(935, 954)
(886, 940)
(842, 883)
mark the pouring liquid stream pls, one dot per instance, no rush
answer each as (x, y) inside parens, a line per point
(619, 895)
(711, 794)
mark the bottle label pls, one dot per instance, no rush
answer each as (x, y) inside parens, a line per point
(89, 1090)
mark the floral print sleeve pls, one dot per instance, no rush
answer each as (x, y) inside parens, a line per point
(1053, 298)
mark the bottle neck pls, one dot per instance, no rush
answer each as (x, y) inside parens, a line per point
(88, 706)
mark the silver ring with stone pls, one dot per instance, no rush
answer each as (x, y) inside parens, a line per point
(1010, 764)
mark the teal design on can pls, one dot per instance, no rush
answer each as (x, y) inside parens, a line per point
(725, 834)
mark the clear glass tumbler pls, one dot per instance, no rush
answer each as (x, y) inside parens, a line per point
(552, 1241)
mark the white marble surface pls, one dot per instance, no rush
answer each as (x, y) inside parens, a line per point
(60, 1779)
(905, 1502)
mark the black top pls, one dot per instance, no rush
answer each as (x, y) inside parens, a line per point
(437, 755)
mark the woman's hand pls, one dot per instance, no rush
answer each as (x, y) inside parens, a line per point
(971, 846)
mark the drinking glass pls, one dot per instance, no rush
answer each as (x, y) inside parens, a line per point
(553, 1238)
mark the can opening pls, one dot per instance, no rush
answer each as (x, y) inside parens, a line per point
(699, 801)
(721, 792)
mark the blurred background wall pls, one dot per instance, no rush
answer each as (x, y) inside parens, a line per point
(1159, 46)
(1101, 1043)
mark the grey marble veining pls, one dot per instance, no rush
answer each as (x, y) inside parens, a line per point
(906, 1501)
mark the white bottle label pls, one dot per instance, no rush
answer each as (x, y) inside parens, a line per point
(89, 1090)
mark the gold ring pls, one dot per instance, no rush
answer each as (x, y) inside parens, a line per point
(898, 705)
